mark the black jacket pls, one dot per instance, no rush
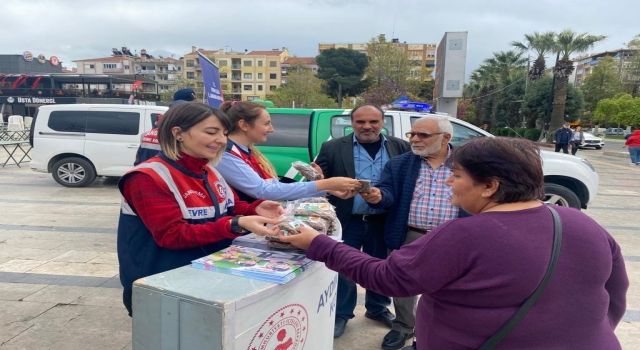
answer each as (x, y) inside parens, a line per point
(336, 159)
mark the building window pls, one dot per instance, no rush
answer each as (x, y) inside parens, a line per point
(273, 76)
(191, 75)
(260, 76)
(223, 75)
(247, 87)
(126, 66)
(92, 66)
(109, 66)
(260, 87)
(247, 76)
(259, 63)
(223, 63)
(272, 88)
(247, 63)
(190, 63)
(273, 63)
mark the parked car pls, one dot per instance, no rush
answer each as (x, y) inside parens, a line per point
(614, 131)
(590, 140)
(78, 142)
(299, 133)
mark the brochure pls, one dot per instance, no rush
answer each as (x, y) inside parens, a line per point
(261, 264)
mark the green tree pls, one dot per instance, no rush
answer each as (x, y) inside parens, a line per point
(622, 109)
(541, 44)
(302, 90)
(497, 87)
(536, 102)
(603, 82)
(631, 73)
(343, 71)
(567, 43)
(387, 63)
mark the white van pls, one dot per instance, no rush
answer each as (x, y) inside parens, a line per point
(77, 142)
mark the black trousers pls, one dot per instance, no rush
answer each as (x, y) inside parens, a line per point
(564, 146)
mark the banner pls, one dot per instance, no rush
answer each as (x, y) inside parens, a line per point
(211, 80)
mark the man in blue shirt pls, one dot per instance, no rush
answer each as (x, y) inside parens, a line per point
(361, 155)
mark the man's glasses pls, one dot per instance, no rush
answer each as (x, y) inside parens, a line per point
(421, 135)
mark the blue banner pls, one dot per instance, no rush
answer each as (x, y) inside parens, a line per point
(211, 80)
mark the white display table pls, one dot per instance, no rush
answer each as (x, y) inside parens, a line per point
(192, 309)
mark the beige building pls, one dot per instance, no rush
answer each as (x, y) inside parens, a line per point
(243, 76)
(422, 56)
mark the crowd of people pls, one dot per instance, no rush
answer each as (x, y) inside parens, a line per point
(457, 239)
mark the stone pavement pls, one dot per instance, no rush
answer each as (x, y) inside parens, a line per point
(58, 267)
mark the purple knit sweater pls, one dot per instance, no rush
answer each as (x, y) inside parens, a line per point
(473, 274)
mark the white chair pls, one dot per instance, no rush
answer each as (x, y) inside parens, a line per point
(15, 123)
(27, 122)
(15, 127)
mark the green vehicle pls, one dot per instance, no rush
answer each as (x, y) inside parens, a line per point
(299, 134)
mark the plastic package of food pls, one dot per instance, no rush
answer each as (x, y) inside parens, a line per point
(306, 170)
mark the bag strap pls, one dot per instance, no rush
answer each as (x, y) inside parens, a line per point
(495, 339)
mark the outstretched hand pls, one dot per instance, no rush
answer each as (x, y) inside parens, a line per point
(270, 209)
(318, 169)
(301, 240)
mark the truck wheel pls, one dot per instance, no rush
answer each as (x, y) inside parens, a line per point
(560, 195)
(73, 172)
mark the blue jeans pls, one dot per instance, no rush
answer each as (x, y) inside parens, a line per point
(368, 236)
(634, 153)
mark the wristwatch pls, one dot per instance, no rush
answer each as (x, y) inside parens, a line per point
(236, 228)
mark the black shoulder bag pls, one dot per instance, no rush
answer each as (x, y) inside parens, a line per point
(495, 339)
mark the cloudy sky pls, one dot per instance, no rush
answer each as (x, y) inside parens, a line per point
(76, 29)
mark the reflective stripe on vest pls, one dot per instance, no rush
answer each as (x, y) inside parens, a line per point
(199, 208)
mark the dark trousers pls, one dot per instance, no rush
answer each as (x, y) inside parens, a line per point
(368, 235)
(564, 146)
(574, 147)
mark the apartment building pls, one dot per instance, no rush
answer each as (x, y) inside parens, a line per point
(166, 71)
(422, 56)
(244, 76)
(624, 57)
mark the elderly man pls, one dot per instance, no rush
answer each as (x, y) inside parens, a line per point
(361, 155)
(414, 192)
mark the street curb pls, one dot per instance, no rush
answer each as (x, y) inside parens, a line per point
(616, 154)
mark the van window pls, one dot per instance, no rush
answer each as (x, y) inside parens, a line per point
(461, 133)
(68, 121)
(341, 126)
(154, 119)
(291, 130)
(99, 122)
(119, 123)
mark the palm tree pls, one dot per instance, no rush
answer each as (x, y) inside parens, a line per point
(541, 44)
(567, 42)
(489, 82)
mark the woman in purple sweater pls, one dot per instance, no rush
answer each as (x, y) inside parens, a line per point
(475, 272)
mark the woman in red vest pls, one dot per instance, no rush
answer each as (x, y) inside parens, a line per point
(250, 174)
(176, 206)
